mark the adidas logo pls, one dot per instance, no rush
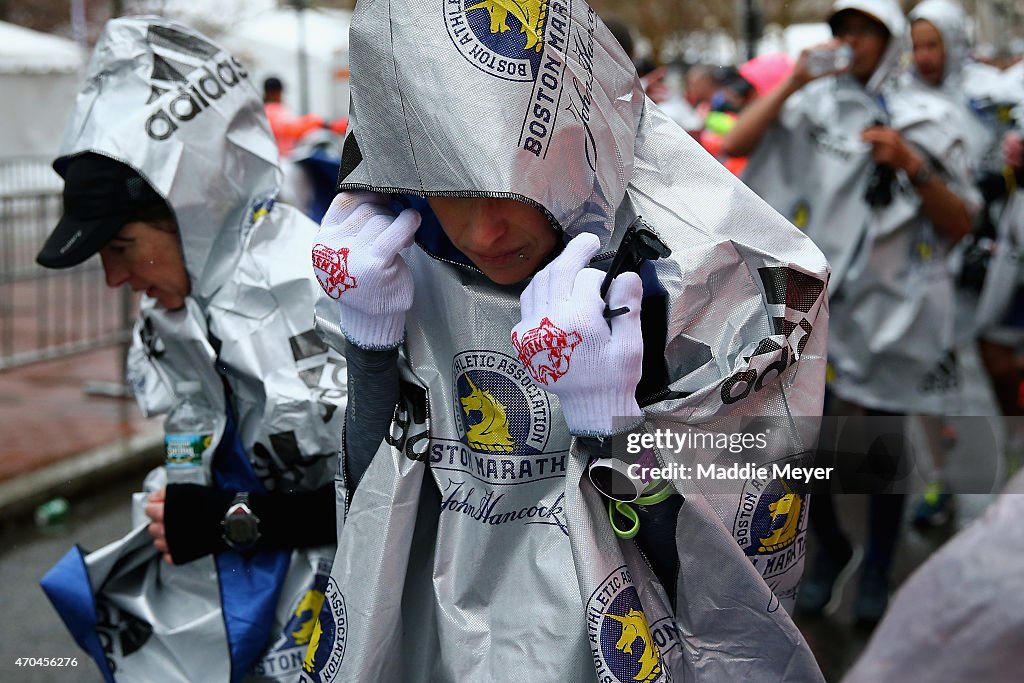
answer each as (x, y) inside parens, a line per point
(185, 63)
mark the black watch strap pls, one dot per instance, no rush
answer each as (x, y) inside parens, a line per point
(241, 526)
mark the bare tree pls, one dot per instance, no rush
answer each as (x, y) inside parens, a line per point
(52, 16)
(663, 22)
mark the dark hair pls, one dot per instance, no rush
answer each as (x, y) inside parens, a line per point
(272, 84)
(724, 76)
(644, 65)
(835, 22)
(622, 34)
(157, 214)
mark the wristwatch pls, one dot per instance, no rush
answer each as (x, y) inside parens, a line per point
(923, 175)
(241, 525)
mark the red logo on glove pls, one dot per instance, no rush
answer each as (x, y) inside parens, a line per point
(545, 350)
(332, 270)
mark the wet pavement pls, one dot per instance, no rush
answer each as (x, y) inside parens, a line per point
(66, 427)
(65, 433)
(32, 628)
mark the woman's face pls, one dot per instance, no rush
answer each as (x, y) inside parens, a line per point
(147, 259)
(929, 52)
(506, 239)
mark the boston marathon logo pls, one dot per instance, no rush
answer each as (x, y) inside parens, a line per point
(327, 641)
(498, 409)
(504, 38)
(186, 78)
(789, 295)
(490, 433)
(801, 214)
(770, 527)
(517, 40)
(502, 419)
(924, 247)
(288, 654)
(624, 648)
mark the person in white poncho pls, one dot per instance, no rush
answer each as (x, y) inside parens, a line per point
(876, 174)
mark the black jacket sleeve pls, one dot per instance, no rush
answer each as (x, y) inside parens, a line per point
(372, 396)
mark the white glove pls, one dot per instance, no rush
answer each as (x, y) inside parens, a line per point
(565, 343)
(357, 262)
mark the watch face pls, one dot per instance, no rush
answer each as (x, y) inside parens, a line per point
(241, 527)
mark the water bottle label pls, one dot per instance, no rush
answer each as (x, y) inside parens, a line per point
(186, 450)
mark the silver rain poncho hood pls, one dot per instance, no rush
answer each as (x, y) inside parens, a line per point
(963, 79)
(889, 14)
(892, 326)
(470, 553)
(951, 22)
(965, 82)
(184, 114)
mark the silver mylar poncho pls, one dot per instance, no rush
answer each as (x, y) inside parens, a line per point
(475, 547)
(165, 100)
(892, 327)
(1000, 298)
(980, 103)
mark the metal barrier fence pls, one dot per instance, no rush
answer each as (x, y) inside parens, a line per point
(48, 313)
(21, 175)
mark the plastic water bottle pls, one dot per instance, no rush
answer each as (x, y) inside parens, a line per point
(822, 60)
(188, 435)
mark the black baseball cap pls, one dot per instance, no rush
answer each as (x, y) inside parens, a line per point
(100, 196)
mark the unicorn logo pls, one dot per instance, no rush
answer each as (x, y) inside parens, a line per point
(309, 663)
(634, 626)
(545, 350)
(529, 13)
(304, 618)
(770, 526)
(491, 432)
(328, 635)
(787, 507)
